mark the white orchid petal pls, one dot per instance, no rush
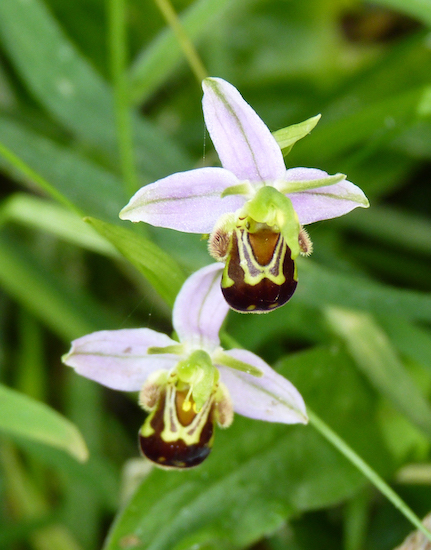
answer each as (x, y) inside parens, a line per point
(243, 142)
(187, 201)
(118, 359)
(200, 308)
(271, 397)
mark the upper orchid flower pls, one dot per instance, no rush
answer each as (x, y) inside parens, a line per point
(188, 385)
(253, 207)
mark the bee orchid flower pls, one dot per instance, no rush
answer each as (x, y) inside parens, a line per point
(253, 208)
(187, 386)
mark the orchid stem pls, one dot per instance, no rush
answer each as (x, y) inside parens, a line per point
(118, 54)
(367, 471)
(186, 44)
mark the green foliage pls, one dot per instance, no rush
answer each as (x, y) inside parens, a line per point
(25, 417)
(162, 272)
(261, 474)
(355, 339)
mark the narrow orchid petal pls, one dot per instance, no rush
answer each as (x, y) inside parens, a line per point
(271, 398)
(118, 358)
(200, 308)
(243, 142)
(323, 203)
(187, 201)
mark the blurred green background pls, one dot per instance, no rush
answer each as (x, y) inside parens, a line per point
(97, 99)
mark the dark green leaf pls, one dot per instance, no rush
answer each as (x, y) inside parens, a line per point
(158, 267)
(260, 474)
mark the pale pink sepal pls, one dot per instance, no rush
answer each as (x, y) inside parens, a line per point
(186, 201)
(118, 358)
(271, 398)
(200, 308)
(243, 142)
(323, 203)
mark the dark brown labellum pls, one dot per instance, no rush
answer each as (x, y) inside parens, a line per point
(174, 438)
(259, 274)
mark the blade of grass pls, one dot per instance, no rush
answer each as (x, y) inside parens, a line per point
(28, 172)
(75, 95)
(157, 60)
(412, 341)
(320, 287)
(65, 175)
(31, 375)
(374, 355)
(68, 312)
(183, 38)
(84, 406)
(165, 275)
(118, 54)
(44, 215)
(356, 518)
(29, 502)
(367, 471)
(25, 417)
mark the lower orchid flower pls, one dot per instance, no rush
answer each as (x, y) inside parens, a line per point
(187, 386)
(253, 207)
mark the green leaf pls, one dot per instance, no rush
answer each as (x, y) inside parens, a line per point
(157, 266)
(89, 187)
(25, 417)
(44, 215)
(412, 341)
(376, 358)
(379, 120)
(98, 476)
(224, 502)
(68, 312)
(394, 226)
(72, 92)
(287, 137)
(30, 503)
(157, 60)
(319, 287)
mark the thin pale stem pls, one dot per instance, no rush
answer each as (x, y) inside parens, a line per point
(367, 471)
(22, 167)
(118, 53)
(186, 44)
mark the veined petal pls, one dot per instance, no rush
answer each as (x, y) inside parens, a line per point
(200, 308)
(188, 201)
(271, 397)
(323, 203)
(118, 358)
(243, 142)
